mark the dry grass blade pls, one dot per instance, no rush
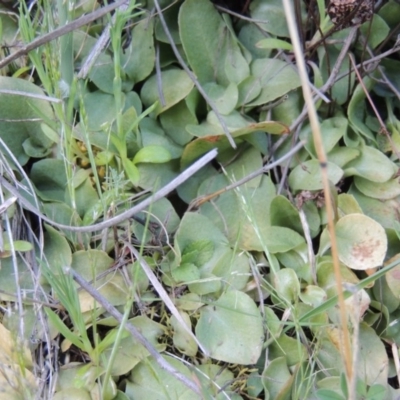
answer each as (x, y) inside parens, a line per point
(316, 132)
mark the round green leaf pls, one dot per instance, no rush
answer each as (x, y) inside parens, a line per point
(152, 154)
(276, 78)
(182, 340)
(308, 175)
(372, 165)
(372, 356)
(362, 242)
(138, 59)
(273, 13)
(176, 85)
(103, 157)
(224, 99)
(313, 295)
(287, 285)
(277, 379)
(149, 381)
(231, 329)
(130, 352)
(378, 190)
(376, 31)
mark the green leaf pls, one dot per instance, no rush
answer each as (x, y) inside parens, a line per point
(382, 211)
(161, 210)
(372, 165)
(103, 158)
(151, 134)
(240, 214)
(232, 62)
(308, 176)
(18, 245)
(333, 130)
(329, 55)
(152, 154)
(56, 249)
(373, 357)
(383, 191)
(8, 285)
(185, 273)
(196, 232)
(313, 295)
(176, 85)
(285, 214)
(273, 13)
(50, 133)
(170, 14)
(212, 378)
(139, 58)
(155, 176)
(131, 171)
(376, 31)
(102, 72)
(357, 111)
(149, 381)
(277, 379)
(377, 392)
(231, 329)
(91, 263)
(225, 99)
(393, 281)
(181, 339)
(64, 330)
(130, 353)
(326, 394)
(100, 109)
(174, 122)
(198, 252)
(21, 119)
(287, 285)
(275, 77)
(362, 242)
(248, 90)
(341, 155)
(272, 43)
(287, 111)
(288, 347)
(200, 27)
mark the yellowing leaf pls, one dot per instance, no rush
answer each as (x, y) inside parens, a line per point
(362, 242)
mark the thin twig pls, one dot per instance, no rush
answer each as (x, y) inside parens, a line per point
(134, 332)
(182, 177)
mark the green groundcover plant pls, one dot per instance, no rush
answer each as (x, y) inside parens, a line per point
(166, 226)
